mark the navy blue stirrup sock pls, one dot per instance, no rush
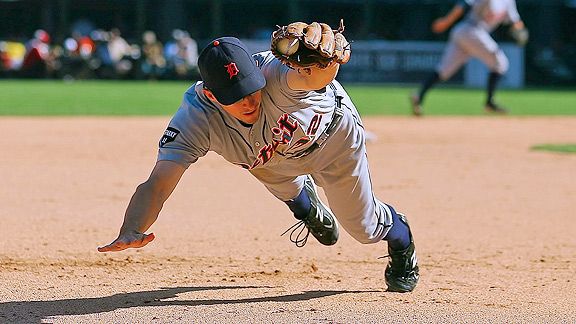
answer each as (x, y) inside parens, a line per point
(300, 205)
(493, 79)
(398, 236)
(427, 84)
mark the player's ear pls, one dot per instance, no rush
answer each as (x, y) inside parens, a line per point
(209, 94)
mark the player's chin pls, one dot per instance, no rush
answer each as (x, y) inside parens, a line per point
(251, 118)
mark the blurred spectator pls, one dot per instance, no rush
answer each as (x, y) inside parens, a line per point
(121, 53)
(34, 64)
(12, 54)
(182, 56)
(102, 62)
(78, 52)
(4, 59)
(191, 50)
(153, 63)
(118, 47)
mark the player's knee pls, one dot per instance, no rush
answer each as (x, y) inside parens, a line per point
(444, 75)
(366, 239)
(502, 64)
(370, 234)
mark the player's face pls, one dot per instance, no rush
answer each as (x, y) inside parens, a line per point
(247, 110)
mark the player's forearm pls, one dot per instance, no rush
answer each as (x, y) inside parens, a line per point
(317, 78)
(519, 24)
(143, 209)
(325, 76)
(454, 15)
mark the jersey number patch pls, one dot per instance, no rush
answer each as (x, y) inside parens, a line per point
(169, 136)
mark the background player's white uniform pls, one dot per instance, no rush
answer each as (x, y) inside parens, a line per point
(471, 37)
(279, 148)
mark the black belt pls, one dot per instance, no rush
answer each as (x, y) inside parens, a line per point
(336, 117)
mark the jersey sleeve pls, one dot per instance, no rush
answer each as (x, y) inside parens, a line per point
(187, 136)
(512, 12)
(466, 4)
(277, 84)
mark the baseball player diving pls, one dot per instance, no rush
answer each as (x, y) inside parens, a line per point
(281, 116)
(471, 38)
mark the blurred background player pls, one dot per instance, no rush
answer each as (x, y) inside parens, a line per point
(471, 38)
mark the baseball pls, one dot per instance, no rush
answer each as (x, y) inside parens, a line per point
(288, 46)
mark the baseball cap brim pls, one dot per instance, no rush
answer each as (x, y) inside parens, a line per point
(250, 84)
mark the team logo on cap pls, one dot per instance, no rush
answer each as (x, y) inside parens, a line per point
(232, 69)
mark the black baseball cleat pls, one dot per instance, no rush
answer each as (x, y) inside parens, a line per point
(401, 273)
(416, 105)
(320, 221)
(495, 108)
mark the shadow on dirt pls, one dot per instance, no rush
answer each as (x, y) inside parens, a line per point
(36, 311)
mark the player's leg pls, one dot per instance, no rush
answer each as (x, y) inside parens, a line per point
(348, 187)
(300, 195)
(345, 177)
(491, 105)
(482, 46)
(452, 60)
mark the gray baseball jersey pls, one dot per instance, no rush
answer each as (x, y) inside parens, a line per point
(471, 37)
(279, 149)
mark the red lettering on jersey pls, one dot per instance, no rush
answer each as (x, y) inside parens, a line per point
(283, 134)
(232, 69)
(266, 153)
(314, 124)
(255, 164)
(285, 124)
(302, 141)
(284, 137)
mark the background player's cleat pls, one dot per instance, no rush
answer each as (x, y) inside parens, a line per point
(495, 108)
(320, 221)
(416, 105)
(401, 273)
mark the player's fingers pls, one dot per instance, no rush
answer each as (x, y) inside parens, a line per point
(142, 240)
(147, 239)
(439, 26)
(326, 46)
(312, 35)
(120, 244)
(296, 29)
(342, 49)
(113, 247)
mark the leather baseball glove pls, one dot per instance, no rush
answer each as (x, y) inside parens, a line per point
(302, 45)
(520, 36)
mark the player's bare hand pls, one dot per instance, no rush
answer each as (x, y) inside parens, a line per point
(440, 25)
(131, 239)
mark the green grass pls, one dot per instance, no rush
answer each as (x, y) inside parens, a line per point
(38, 98)
(90, 97)
(560, 148)
(388, 100)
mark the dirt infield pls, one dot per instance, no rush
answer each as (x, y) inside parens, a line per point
(494, 224)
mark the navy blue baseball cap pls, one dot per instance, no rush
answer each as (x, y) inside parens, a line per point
(229, 71)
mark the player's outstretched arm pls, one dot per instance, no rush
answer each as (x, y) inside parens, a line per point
(442, 24)
(519, 25)
(312, 78)
(145, 205)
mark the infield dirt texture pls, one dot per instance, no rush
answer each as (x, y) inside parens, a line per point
(494, 225)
